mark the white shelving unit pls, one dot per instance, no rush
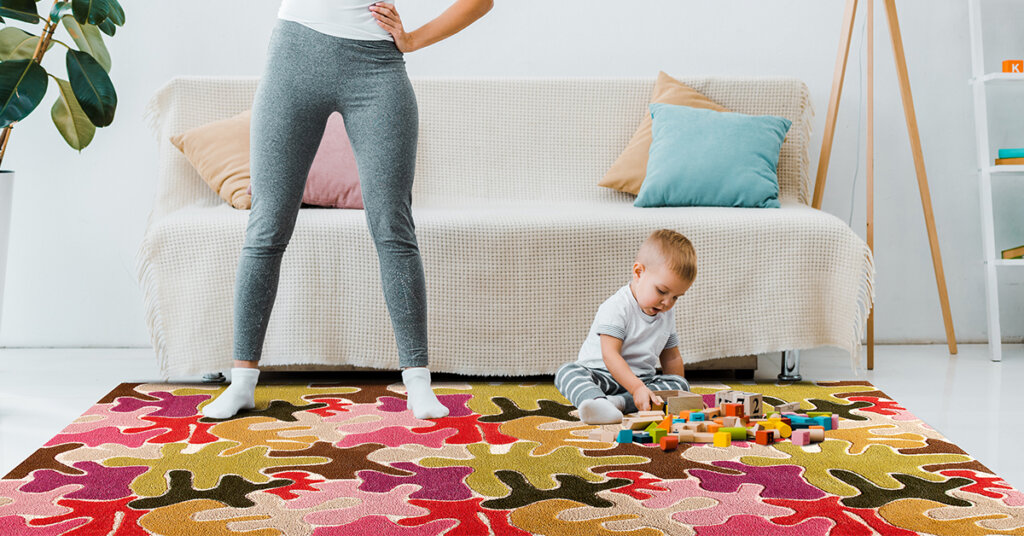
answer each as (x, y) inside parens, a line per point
(980, 81)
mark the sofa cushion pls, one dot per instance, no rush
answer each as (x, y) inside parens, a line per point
(628, 171)
(219, 151)
(708, 158)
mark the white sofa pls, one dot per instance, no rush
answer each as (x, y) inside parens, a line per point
(520, 245)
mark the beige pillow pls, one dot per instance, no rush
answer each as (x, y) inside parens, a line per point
(220, 153)
(628, 172)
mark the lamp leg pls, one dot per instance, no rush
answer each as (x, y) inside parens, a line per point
(833, 102)
(922, 178)
(870, 168)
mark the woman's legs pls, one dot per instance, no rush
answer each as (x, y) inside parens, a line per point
(382, 122)
(288, 119)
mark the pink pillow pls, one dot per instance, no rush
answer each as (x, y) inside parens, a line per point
(333, 179)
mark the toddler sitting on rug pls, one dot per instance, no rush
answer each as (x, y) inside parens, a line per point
(633, 330)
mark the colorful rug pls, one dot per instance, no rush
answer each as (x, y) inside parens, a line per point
(511, 459)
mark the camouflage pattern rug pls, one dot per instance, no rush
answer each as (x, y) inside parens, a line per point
(510, 459)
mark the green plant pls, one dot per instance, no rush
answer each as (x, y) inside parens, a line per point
(86, 100)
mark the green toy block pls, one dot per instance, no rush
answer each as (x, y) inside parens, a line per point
(657, 434)
(739, 433)
(813, 414)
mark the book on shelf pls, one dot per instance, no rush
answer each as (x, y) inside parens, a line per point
(1011, 153)
(1013, 253)
(1010, 161)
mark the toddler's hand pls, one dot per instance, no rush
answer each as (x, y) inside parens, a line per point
(644, 397)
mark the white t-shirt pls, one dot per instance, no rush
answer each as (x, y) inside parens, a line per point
(644, 337)
(351, 19)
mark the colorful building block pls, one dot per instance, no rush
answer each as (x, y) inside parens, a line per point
(732, 409)
(641, 437)
(801, 437)
(666, 424)
(739, 433)
(651, 427)
(835, 422)
(824, 422)
(722, 439)
(784, 430)
(685, 436)
(684, 401)
(1013, 66)
(723, 397)
(657, 434)
(788, 407)
(753, 403)
(764, 437)
(703, 437)
(625, 436)
(817, 433)
(697, 416)
(668, 442)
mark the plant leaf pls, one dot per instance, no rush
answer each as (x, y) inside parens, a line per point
(92, 87)
(22, 87)
(59, 9)
(17, 44)
(70, 119)
(116, 14)
(90, 11)
(88, 39)
(23, 10)
(107, 27)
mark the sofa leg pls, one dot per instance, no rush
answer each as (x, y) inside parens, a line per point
(790, 366)
(214, 377)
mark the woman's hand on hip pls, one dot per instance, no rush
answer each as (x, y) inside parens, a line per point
(387, 18)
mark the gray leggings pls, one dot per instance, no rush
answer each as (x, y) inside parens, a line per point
(579, 383)
(308, 76)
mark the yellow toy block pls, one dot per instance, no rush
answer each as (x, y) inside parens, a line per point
(722, 439)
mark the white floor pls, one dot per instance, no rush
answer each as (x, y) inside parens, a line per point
(968, 398)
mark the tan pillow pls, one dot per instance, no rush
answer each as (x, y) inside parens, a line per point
(628, 172)
(220, 153)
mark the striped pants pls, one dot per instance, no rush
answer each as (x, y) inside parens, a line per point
(579, 383)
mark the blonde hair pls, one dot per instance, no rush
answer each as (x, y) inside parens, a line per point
(673, 250)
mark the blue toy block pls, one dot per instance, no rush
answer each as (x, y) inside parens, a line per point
(798, 422)
(625, 436)
(823, 421)
(696, 416)
(642, 437)
(677, 420)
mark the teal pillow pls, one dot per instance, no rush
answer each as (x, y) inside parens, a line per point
(702, 157)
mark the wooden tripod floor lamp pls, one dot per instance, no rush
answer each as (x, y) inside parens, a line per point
(915, 144)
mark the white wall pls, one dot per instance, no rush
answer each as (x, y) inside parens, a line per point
(78, 218)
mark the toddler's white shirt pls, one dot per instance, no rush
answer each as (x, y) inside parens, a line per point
(350, 19)
(644, 337)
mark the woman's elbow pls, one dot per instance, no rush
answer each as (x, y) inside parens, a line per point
(484, 6)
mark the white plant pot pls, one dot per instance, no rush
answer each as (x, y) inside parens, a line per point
(6, 195)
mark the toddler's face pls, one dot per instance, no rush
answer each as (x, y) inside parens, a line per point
(657, 288)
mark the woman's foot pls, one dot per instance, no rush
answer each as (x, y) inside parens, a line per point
(241, 394)
(420, 397)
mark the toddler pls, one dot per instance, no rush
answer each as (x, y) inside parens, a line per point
(633, 331)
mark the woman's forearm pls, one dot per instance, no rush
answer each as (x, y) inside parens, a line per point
(454, 19)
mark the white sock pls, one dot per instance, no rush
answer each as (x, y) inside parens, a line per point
(420, 397)
(599, 411)
(618, 402)
(240, 394)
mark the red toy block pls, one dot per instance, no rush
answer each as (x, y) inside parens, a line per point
(733, 410)
(764, 437)
(669, 442)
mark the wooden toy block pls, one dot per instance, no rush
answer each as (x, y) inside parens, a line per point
(824, 422)
(641, 423)
(669, 442)
(729, 422)
(684, 403)
(600, 434)
(784, 430)
(641, 437)
(677, 427)
(641, 414)
(657, 434)
(788, 407)
(651, 427)
(733, 409)
(763, 437)
(817, 434)
(1013, 66)
(684, 415)
(718, 420)
(703, 437)
(801, 437)
(625, 436)
(813, 414)
(711, 413)
(658, 406)
(696, 416)
(753, 403)
(724, 396)
(685, 436)
(666, 424)
(713, 427)
(669, 393)
(835, 422)
(738, 433)
(722, 439)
